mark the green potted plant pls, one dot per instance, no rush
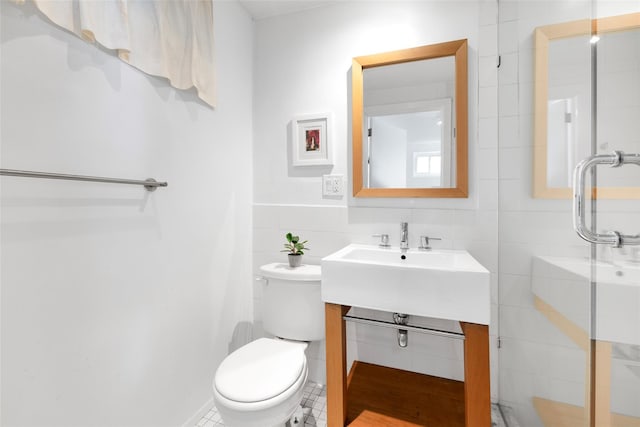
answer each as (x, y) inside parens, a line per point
(295, 248)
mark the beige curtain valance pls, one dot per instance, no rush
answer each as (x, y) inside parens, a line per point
(167, 38)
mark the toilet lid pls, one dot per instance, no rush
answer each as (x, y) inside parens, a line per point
(304, 273)
(260, 370)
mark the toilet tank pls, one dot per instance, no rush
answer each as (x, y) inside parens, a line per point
(292, 307)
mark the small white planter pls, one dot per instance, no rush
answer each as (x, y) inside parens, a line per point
(295, 260)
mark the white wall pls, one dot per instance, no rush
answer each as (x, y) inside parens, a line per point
(118, 304)
(302, 65)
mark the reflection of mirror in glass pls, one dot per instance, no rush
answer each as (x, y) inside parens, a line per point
(569, 104)
(562, 121)
(570, 65)
(407, 117)
(619, 103)
(568, 109)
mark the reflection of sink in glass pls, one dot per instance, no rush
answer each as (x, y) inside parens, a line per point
(444, 284)
(565, 284)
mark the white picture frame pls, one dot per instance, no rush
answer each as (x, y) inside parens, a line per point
(311, 140)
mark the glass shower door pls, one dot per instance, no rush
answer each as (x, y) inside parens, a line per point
(615, 221)
(569, 308)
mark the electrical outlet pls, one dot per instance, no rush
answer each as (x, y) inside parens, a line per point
(332, 185)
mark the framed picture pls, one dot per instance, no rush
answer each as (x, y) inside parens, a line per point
(310, 140)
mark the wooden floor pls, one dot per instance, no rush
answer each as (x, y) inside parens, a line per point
(379, 396)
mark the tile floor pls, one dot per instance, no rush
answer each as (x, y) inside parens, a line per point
(314, 404)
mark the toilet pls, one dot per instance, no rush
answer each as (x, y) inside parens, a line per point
(261, 383)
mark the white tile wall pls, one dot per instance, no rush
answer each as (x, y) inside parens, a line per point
(507, 43)
(508, 100)
(488, 102)
(488, 37)
(509, 132)
(508, 10)
(488, 72)
(488, 132)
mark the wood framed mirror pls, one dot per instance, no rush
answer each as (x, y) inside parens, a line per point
(410, 122)
(562, 103)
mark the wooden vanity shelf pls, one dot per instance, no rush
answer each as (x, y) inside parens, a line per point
(377, 396)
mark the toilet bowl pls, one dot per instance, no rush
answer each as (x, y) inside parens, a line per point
(261, 383)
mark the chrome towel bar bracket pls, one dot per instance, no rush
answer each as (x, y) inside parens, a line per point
(614, 160)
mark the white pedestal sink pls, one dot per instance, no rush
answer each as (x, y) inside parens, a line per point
(443, 284)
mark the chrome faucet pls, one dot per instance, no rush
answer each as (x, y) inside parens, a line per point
(404, 235)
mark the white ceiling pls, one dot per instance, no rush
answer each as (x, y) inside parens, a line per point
(260, 9)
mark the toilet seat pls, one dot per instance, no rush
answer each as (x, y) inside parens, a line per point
(261, 374)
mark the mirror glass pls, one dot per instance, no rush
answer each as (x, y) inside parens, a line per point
(407, 109)
(408, 123)
(564, 101)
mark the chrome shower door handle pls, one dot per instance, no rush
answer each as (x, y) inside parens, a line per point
(614, 238)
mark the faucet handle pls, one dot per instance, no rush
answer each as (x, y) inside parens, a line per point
(424, 242)
(384, 240)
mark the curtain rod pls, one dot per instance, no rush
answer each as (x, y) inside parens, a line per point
(150, 184)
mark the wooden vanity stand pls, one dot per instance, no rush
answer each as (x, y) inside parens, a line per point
(376, 396)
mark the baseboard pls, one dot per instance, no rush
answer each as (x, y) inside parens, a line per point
(193, 420)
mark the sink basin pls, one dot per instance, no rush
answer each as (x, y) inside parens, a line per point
(443, 284)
